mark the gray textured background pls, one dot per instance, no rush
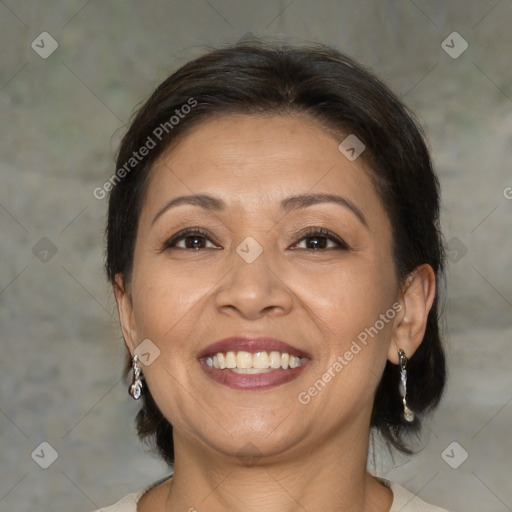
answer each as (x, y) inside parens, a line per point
(62, 117)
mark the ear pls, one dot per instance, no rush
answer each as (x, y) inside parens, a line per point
(125, 310)
(416, 300)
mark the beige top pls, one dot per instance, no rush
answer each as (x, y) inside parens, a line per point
(403, 500)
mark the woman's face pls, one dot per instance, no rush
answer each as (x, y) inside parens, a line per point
(287, 251)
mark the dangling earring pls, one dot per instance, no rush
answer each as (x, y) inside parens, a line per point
(402, 362)
(135, 389)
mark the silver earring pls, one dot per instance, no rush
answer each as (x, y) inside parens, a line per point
(402, 362)
(136, 387)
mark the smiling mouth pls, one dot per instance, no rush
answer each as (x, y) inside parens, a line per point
(252, 363)
(243, 362)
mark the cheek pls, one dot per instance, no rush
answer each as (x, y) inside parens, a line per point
(349, 298)
(352, 309)
(165, 299)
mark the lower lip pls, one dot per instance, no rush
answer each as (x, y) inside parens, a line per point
(252, 382)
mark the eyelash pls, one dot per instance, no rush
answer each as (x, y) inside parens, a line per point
(313, 232)
(199, 232)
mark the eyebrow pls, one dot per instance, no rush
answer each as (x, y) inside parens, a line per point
(305, 200)
(290, 203)
(202, 200)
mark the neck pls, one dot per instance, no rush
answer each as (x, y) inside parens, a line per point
(331, 477)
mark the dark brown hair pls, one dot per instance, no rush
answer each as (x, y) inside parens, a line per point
(258, 77)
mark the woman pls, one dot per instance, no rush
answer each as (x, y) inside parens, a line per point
(273, 243)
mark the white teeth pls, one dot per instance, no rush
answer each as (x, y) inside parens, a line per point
(251, 370)
(243, 359)
(275, 359)
(259, 362)
(294, 362)
(230, 360)
(222, 360)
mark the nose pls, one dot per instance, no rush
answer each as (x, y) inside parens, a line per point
(254, 290)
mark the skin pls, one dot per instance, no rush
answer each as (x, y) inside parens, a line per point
(317, 300)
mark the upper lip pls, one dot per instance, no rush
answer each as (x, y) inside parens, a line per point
(251, 344)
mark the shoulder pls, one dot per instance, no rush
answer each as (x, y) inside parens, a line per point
(129, 502)
(405, 501)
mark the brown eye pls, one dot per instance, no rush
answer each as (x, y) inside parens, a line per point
(320, 239)
(192, 239)
(193, 242)
(318, 242)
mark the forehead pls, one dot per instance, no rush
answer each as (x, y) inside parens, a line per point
(254, 160)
